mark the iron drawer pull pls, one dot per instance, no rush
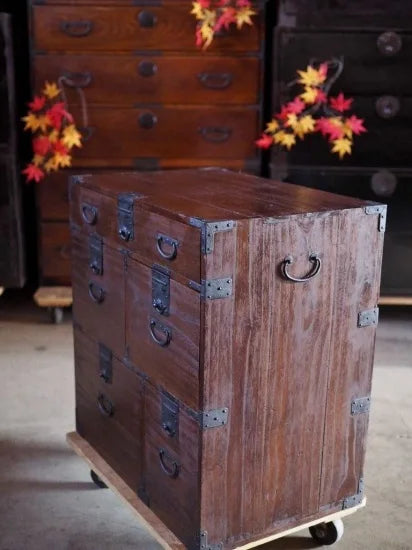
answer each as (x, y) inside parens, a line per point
(77, 80)
(96, 292)
(147, 68)
(147, 19)
(160, 239)
(89, 213)
(155, 325)
(215, 81)
(172, 472)
(105, 405)
(314, 258)
(76, 29)
(215, 134)
(389, 43)
(387, 106)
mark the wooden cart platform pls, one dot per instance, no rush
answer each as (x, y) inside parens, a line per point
(153, 524)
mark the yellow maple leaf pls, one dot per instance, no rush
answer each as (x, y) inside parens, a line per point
(51, 165)
(38, 160)
(311, 77)
(291, 120)
(309, 95)
(44, 121)
(278, 137)
(209, 17)
(197, 10)
(305, 125)
(243, 17)
(288, 140)
(347, 130)
(63, 160)
(51, 90)
(272, 126)
(31, 122)
(71, 137)
(342, 147)
(53, 136)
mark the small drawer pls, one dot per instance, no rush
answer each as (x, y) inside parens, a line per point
(170, 27)
(152, 79)
(109, 410)
(98, 290)
(165, 344)
(55, 253)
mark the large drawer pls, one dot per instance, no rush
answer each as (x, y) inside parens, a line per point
(152, 79)
(170, 27)
(169, 132)
(55, 253)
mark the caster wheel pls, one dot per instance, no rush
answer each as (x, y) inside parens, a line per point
(96, 479)
(327, 533)
(56, 315)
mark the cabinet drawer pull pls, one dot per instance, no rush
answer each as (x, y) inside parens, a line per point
(215, 134)
(389, 43)
(147, 120)
(147, 68)
(387, 106)
(89, 213)
(215, 81)
(77, 29)
(105, 405)
(162, 240)
(96, 292)
(77, 80)
(147, 19)
(167, 333)
(313, 258)
(172, 471)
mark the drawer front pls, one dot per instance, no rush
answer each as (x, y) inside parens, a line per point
(164, 345)
(153, 79)
(52, 197)
(171, 27)
(374, 61)
(171, 469)
(169, 132)
(55, 253)
(98, 299)
(109, 415)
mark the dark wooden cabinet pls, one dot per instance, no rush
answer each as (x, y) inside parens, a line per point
(374, 38)
(224, 330)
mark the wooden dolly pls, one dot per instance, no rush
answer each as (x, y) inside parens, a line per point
(104, 476)
(55, 298)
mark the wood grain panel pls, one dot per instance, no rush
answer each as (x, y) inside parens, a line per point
(52, 197)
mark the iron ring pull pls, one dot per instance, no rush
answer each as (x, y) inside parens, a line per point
(314, 258)
(155, 325)
(89, 213)
(77, 29)
(172, 472)
(96, 292)
(215, 134)
(169, 241)
(215, 81)
(105, 405)
(77, 80)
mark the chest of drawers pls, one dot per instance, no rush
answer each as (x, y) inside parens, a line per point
(154, 100)
(224, 335)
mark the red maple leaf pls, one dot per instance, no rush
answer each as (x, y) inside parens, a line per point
(227, 17)
(296, 106)
(328, 128)
(204, 3)
(284, 112)
(41, 145)
(321, 97)
(356, 124)
(57, 113)
(33, 173)
(199, 38)
(264, 142)
(38, 103)
(323, 70)
(59, 147)
(340, 103)
(243, 4)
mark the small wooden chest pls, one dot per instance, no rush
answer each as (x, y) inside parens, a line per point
(224, 338)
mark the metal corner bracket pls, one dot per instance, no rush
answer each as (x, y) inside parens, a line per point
(356, 499)
(204, 544)
(214, 418)
(368, 317)
(209, 229)
(381, 211)
(360, 405)
(213, 289)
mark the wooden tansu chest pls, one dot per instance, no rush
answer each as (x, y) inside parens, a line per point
(224, 338)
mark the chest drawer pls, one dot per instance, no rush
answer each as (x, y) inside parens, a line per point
(97, 29)
(152, 79)
(109, 407)
(170, 132)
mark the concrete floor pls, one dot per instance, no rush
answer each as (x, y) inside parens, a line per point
(47, 500)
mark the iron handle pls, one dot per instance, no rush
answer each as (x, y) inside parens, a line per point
(155, 325)
(77, 29)
(159, 305)
(95, 267)
(105, 405)
(89, 213)
(77, 80)
(147, 19)
(216, 81)
(147, 120)
(215, 134)
(387, 106)
(96, 292)
(171, 432)
(173, 243)
(147, 68)
(313, 258)
(124, 233)
(172, 472)
(389, 43)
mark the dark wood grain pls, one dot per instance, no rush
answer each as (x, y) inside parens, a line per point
(55, 253)
(52, 197)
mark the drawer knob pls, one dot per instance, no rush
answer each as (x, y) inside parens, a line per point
(162, 241)
(147, 19)
(147, 120)
(76, 29)
(105, 405)
(77, 80)
(389, 43)
(387, 106)
(384, 183)
(313, 258)
(147, 68)
(215, 134)
(89, 213)
(96, 292)
(165, 459)
(215, 81)
(166, 333)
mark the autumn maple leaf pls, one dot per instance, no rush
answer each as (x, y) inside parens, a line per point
(331, 127)
(311, 77)
(296, 106)
(41, 145)
(62, 160)
(57, 113)
(224, 21)
(38, 103)
(340, 103)
(321, 97)
(71, 137)
(356, 125)
(59, 147)
(31, 122)
(288, 140)
(33, 173)
(264, 142)
(284, 112)
(51, 90)
(272, 126)
(342, 147)
(243, 17)
(309, 95)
